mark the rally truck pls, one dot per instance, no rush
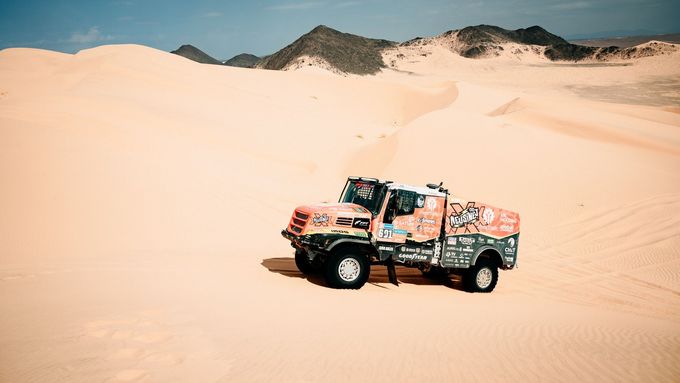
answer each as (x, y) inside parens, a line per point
(386, 223)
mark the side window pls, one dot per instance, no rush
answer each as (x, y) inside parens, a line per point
(406, 202)
(391, 209)
(400, 202)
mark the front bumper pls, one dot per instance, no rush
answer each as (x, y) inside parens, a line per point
(296, 241)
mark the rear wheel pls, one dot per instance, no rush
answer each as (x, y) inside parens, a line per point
(482, 277)
(302, 262)
(346, 270)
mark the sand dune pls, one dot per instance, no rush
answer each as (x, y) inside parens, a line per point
(143, 195)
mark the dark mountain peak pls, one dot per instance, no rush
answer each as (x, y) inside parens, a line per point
(537, 36)
(195, 54)
(243, 60)
(534, 35)
(322, 29)
(536, 28)
(346, 52)
(486, 40)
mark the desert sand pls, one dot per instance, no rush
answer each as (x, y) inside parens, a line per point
(143, 195)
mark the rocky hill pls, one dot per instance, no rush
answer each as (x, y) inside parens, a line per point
(628, 41)
(345, 53)
(482, 40)
(334, 50)
(244, 60)
(485, 41)
(195, 54)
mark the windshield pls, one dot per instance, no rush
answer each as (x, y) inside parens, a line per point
(367, 194)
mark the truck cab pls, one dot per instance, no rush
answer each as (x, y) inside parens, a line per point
(386, 223)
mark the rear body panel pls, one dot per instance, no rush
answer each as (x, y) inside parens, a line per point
(472, 227)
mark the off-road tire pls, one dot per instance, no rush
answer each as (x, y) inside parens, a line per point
(302, 262)
(346, 270)
(481, 278)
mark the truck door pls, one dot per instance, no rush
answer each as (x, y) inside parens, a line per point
(408, 215)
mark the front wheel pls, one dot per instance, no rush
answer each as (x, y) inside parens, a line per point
(481, 278)
(347, 271)
(302, 262)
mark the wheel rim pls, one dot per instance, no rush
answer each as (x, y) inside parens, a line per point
(484, 277)
(349, 269)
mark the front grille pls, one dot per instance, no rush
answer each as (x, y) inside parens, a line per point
(343, 221)
(298, 222)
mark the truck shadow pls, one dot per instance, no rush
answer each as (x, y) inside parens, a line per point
(286, 266)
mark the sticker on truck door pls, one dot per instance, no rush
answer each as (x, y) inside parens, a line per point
(385, 232)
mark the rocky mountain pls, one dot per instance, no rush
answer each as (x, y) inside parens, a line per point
(628, 41)
(244, 60)
(337, 51)
(346, 53)
(484, 41)
(573, 52)
(481, 39)
(195, 54)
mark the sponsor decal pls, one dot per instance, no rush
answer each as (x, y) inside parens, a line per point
(427, 221)
(471, 217)
(412, 256)
(509, 259)
(431, 203)
(400, 231)
(467, 216)
(452, 241)
(428, 252)
(466, 240)
(506, 219)
(437, 253)
(490, 241)
(361, 223)
(420, 201)
(385, 248)
(506, 228)
(509, 250)
(325, 230)
(468, 250)
(410, 249)
(320, 219)
(511, 242)
(488, 215)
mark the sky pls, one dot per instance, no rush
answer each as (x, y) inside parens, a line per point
(226, 28)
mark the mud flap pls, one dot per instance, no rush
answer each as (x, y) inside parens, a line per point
(391, 272)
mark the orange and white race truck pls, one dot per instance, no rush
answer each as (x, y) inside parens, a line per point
(384, 223)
